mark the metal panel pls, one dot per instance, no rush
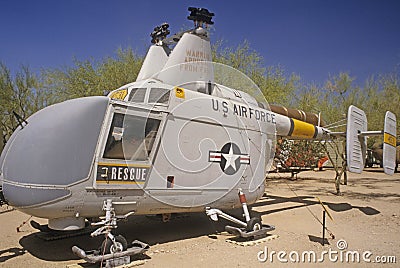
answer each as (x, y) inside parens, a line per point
(23, 196)
(389, 143)
(7, 146)
(356, 145)
(57, 145)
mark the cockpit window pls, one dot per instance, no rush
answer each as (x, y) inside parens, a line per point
(159, 95)
(131, 137)
(137, 95)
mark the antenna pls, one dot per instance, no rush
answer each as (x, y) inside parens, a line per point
(20, 120)
(200, 16)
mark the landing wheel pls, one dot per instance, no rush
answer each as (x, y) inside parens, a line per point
(109, 247)
(254, 224)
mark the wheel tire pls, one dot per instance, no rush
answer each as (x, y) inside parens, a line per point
(108, 246)
(254, 224)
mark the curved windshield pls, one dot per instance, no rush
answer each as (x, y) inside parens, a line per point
(137, 95)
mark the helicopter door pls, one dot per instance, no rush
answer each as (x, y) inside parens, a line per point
(125, 160)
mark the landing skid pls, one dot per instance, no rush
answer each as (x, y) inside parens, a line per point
(257, 234)
(48, 234)
(251, 228)
(112, 259)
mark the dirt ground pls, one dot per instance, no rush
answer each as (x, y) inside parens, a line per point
(365, 217)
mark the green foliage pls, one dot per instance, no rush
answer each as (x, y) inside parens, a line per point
(242, 57)
(272, 81)
(122, 70)
(91, 78)
(21, 94)
(339, 92)
(308, 99)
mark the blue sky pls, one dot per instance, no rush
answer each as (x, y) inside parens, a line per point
(311, 38)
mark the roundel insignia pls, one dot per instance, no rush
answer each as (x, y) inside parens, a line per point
(229, 158)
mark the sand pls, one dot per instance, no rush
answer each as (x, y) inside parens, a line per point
(365, 218)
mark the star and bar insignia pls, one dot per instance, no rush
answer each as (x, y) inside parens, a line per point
(229, 158)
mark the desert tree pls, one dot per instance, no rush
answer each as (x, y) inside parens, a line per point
(20, 95)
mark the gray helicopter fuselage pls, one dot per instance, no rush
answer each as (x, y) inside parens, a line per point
(72, 156)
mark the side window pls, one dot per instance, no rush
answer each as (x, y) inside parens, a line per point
(159, 95)
(131, 137)
(137, 95)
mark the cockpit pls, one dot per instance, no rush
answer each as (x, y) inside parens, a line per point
(150, 92)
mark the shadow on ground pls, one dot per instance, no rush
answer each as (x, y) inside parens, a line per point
(304, 201)
(319, 240)
(150, 230)
(10, 253)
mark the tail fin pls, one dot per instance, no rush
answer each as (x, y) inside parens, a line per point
(356, 143)
(389, 143)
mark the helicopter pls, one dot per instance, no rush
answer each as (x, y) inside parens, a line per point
(188, 135)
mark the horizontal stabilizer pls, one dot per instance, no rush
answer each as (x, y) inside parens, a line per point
(389, 143)
(356, 145)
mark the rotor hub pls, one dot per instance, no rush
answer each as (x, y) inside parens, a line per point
(200, 16)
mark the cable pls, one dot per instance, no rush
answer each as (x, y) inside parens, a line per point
(309, 210)
(334, 123)
(331, 127)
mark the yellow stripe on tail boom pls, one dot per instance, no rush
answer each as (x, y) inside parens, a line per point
(300, 129)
